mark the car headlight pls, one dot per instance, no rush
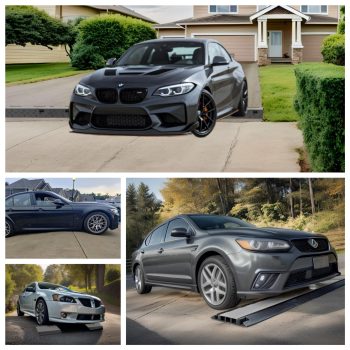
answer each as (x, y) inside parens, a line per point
(263, 245)
(114, 211)
(82, 90)
(63, 298)
(174, 90)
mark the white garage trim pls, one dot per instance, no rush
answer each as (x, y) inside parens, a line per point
(172, 36)
(318, 33)
(233, 34)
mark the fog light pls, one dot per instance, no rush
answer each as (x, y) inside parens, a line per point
(265, 280)
(63, 315)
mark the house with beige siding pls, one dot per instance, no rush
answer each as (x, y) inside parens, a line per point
(263, 33)
(40, 54)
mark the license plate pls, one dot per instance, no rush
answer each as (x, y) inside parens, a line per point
(320, 262)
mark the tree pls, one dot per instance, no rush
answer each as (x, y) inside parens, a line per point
(10, 288)
(27, 24)
(341, 23)
(81, 274)
(312, 200)
(54, 274)
(100, 276)
(23, 274)
(131, 194)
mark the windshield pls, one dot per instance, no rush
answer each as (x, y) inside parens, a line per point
(212, 222)
(53, 287)
(164, 53)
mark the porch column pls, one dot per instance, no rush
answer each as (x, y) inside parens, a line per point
(263, 59)
(297, 46)
(262, 33)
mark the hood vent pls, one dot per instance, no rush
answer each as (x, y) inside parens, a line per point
(159, 71)
(110, 72)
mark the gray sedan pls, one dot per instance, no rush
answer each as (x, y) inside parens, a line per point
(226, 259)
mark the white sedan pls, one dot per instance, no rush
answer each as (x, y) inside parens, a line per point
(49, 302)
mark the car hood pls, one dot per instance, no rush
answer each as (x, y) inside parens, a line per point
(71, 294)
(265, 232)
(141, 75)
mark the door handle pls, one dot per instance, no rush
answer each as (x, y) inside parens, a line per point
(161, 250)
(142, 251)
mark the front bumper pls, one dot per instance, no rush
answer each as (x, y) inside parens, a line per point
(155, 115)
(289, 271)
(74, 313)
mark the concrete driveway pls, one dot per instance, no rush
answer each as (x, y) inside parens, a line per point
(48, 145)
(64, 245)
(22, 330)
(167, 316)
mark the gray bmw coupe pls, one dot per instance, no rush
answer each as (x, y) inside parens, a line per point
(226, 259)
(170, 86)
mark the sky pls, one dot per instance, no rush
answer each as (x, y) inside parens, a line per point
(164, 14)
(84, 185)
(155, 185)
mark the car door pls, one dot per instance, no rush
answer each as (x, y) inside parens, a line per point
(28, 298)
(20, 210)
(176, 256)
(49, 215)
(222, 81)
(152, 254)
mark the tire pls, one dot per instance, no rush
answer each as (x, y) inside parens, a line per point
(96, 223)
(19, 312)
(206, 115)
(139, 279)
(8, 228)
(41, 313)
(215, 273)
(243, 103)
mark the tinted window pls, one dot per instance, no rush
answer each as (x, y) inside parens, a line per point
(164, 53)
(158, 235)
(177, 223)
(208, 222)
(44, 200)
(217, 50)
(22, 200)
(9, 202)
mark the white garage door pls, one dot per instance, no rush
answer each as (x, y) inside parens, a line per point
(312, 47)
(241, 46)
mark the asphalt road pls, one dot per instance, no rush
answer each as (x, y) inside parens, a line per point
(63, 245)
(22, 330)
(48, 145)
(167, 316)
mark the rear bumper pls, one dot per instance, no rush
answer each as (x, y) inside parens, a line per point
(154, 116)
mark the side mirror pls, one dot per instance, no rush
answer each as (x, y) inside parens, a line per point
(111, 62)
(180, 232)
(58, 202)
(219, 61)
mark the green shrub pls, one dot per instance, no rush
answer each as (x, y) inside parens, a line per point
(273, 211)
(320, 102)
(333, 49)
(112, 275)
(109, 36)
(86, 56)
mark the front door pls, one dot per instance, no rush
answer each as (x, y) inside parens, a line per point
(275, 44)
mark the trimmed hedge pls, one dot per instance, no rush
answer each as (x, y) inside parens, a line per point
(333, 49)
(320, 102)
(108, 36)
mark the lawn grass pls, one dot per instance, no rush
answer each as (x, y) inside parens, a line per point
(33, 72)
(278, 88)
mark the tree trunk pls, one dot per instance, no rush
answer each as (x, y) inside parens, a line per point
(312, 200)
(300, 199)
(100, 277)
(291, 199)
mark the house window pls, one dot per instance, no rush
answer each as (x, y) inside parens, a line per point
(223, 9)
(314, 9)
(261, 7)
